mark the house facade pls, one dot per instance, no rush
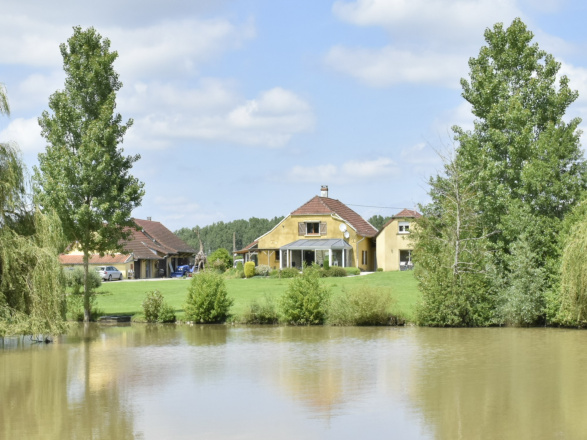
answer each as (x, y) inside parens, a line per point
(321, 228)
(151, 251)
(394, 243)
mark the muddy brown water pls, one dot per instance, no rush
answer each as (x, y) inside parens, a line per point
(219, 382)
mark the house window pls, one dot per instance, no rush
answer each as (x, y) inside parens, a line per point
(313, 228)
(404, 227)
(364, 258)
(277, 255)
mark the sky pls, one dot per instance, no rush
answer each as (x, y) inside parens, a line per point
(246, 108)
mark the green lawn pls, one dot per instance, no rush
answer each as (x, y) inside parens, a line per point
(125, 298)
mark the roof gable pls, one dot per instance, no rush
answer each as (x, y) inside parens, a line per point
(164, 237)
(327, 206)
(404, 213)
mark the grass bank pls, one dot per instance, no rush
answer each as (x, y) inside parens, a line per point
(125, 298)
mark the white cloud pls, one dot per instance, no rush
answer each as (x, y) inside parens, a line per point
(350, 171)
(430, 40)
(269, 120)
(174, 48)
(26, 133)
(461, 116)
(389, 66)
(422, 19)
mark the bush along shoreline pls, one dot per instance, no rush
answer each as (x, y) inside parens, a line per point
(306, 301)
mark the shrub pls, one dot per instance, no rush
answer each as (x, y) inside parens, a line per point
(352, 270)
(305, 301)
(363, 305)
(219, 265)
(289, 272)
(249, 269)
(207, 299)
(274, 273)
(156, 309)
(222, 255)
(379, 269)
(234, 274)
(326, 263)
(262, 313)
(239, 266)
(336, 271)
(262, 270)
(74, 279)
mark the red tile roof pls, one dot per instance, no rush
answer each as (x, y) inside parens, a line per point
(324, 205)
(404, 213)
(95, 259)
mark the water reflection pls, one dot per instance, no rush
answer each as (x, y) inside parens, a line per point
(169, 381)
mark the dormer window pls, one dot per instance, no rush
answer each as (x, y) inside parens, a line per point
(404, 227)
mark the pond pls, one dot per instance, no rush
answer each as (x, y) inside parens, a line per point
(222, 382)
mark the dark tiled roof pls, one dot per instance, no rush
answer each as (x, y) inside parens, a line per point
(164, 237)
(404, 213)
(144, 248)
(95, 259)
(324, 205)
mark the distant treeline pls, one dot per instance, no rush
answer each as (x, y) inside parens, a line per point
(219, 235)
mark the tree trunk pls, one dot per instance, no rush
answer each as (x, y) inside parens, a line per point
(86, 287)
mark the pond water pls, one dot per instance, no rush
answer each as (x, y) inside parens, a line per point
(219, 382)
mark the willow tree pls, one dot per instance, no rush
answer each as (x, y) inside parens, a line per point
(573, 291)
(83, 174)
(32, 294)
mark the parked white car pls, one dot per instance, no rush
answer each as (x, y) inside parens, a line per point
(109, 273)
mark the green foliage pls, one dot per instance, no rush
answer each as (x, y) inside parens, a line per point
(223, 256)
(155, 309)
(207, 300)
(336, 271)
(305, 302)
(82, 174)
(249, 269)
(379, 269)
(378, 221)
(219, 266)
(522, 301)
(32, 286)
(326, 263)
(239, 266)
(262, 270)
(362, 305)
(234, 274)
(289, 272)
(74, 279)
(573, 293)
(352, 270)
(263, 312)
(220, 234)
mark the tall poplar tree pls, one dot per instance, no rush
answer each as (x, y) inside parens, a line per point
(524, 161)
(83, 174)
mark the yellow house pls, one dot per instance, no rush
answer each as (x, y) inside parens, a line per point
(393, 242)
(321, 228)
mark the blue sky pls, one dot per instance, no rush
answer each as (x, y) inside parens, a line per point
(245, 108)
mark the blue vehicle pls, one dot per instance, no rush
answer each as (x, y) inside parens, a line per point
(182, 271)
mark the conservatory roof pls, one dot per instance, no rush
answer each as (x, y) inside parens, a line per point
(316, 244)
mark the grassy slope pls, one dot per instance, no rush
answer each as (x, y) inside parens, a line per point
(125, 298)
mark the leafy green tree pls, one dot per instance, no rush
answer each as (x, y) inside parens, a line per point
(524, 164)
(452, 254)
(522, 153)
(378, 221)
(83, 174)
(4, 106)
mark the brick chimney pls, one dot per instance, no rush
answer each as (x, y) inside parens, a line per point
(324, 191)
